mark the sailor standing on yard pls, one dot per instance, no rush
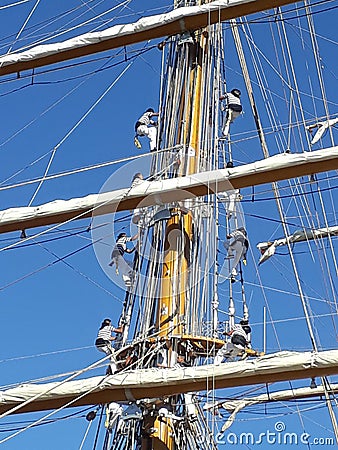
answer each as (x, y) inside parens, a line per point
(240, 340)
(145, 126)
(237, 248)
(104, 339)
(233, 108)
(118, 259)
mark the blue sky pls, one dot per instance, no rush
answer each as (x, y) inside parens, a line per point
(50, 311)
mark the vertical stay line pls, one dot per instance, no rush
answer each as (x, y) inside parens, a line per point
(274, 185)
(281, 214)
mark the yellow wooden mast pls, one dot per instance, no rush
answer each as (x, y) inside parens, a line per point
(172, 304)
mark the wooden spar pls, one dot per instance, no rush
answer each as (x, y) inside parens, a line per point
(220, 11)
(160, 383)
(275, 168)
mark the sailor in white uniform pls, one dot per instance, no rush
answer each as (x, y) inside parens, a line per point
(233, 108)
(104, 340)
(237, 248)
(240, 340)
(118, 259)
(230, 199)
(145, 126)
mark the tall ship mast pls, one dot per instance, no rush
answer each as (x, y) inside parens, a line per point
(238, 102)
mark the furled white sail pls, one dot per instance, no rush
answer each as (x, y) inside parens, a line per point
(146, 383)
(268, 248)
(174, 22)
(278, 167)
(235, 406)
(321, 128)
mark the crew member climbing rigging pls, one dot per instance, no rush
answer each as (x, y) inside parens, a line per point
(117, 257)
(233, 108)
(145, 126)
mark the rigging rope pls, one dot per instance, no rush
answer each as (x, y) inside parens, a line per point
(98, 429)
(42, 41)
(266, 154)
(76, 125)
(86, 433)
(81, 169)
(46, 391)
(14, 4)
(23, 26)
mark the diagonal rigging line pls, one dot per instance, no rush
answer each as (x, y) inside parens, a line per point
(40, 269)
(56, 238)
(44, 175)
(59, 259)
(75, 171)
(37, 396)
(64, 233)
(18, 424)
(90, 423)
(14, 4)
(37, 355)
(75, 126)
(46, 39)
(33, 121)
(23, 26)
(40, 26)
(78, 271)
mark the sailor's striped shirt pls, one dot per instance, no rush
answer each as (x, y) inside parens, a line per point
(105, 333)
(121, 244)
(232, 100)
(237, 329)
